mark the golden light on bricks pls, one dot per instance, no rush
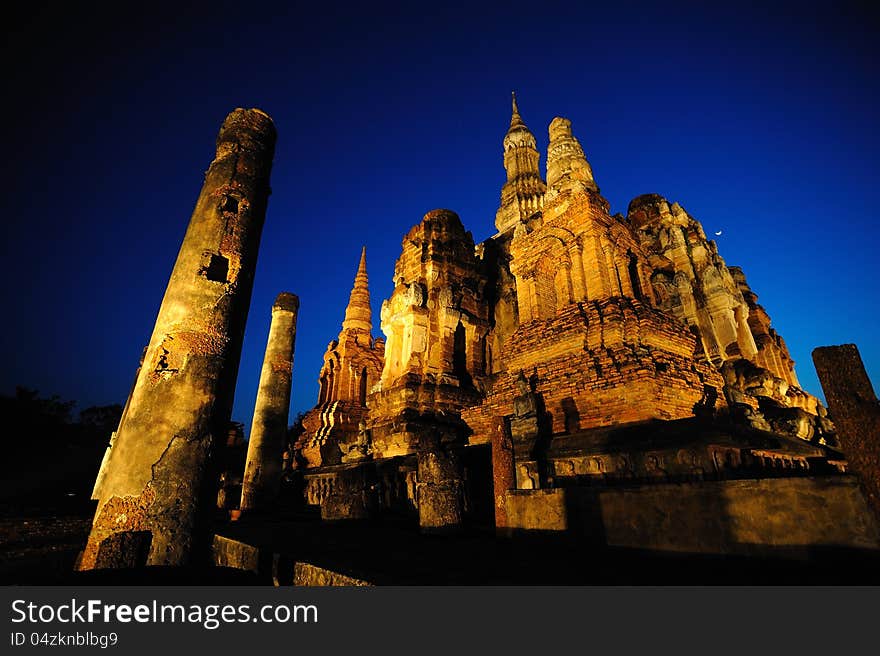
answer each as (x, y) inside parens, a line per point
(579, 371)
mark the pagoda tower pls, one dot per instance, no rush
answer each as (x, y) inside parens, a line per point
(352, 365)
(523, 193)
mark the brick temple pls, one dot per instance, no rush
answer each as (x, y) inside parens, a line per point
(579, 373)
(576, 362)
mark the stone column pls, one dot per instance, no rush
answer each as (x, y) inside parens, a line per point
(855, 411)
(158, 487)
(262, 473)
(503, 472)
(439, 488)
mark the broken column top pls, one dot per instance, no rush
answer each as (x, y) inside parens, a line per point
(250, 129)
(286, 301)
(842, 366)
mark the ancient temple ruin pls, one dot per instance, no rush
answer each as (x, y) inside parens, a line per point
(574, 353)
(579, 371)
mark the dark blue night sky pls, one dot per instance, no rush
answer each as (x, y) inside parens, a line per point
(762, 123)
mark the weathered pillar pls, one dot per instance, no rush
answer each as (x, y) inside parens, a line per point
(102, 470)
(439, 486)
(439, 492)
(158, 486)
(854, 408)
(262, 472)
(503, 472)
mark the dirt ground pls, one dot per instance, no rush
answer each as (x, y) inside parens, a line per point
(36, 549)
(45, 512)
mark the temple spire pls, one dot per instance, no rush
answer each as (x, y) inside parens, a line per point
(358, 316)
(362, 266)
(567, 166)
(523, 193)
(515, 119)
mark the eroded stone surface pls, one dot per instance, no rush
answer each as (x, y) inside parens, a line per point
(692, 282)
(856, 413)
(503, 472)
(158, 477)
(436, 323)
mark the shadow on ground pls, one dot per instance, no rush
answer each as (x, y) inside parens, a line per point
(41, 550)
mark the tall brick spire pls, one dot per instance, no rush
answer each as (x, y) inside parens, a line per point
(358, 316)
(523, 193)
(352, 365)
